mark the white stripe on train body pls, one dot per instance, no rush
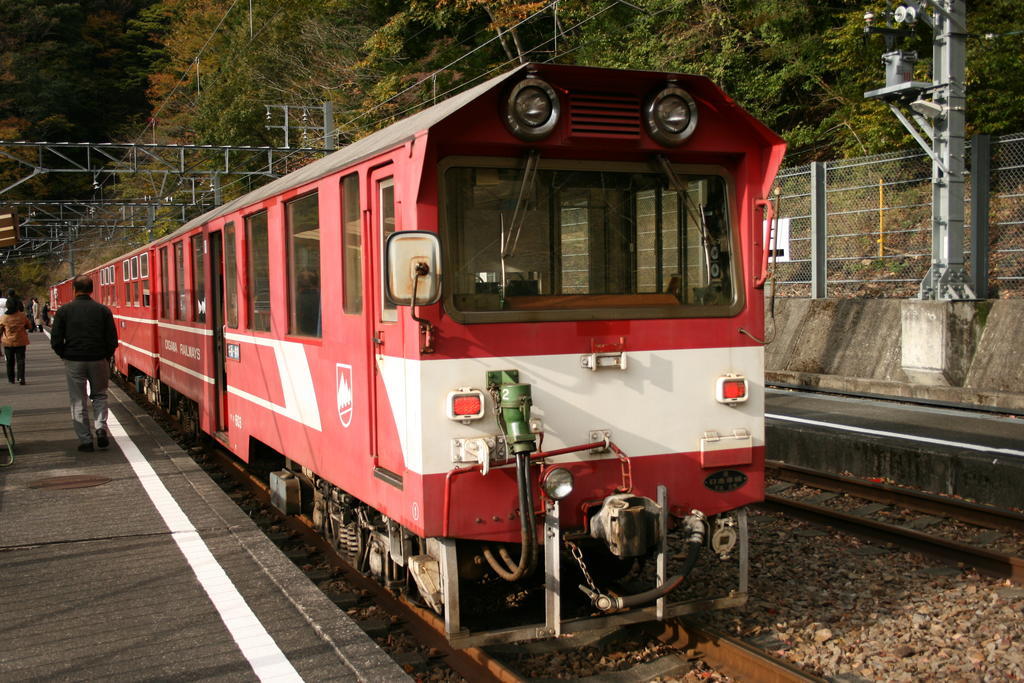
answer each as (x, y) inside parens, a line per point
(662, 403)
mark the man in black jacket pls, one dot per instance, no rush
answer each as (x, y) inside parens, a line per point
(85, 336)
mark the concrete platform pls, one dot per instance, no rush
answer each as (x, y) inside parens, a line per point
(155, 574)
(969, 454)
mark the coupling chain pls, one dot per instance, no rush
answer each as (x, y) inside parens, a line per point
(578, 555)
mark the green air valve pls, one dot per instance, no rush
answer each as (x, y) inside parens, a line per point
(515, 400)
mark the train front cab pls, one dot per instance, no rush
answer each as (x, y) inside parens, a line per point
(597, 301)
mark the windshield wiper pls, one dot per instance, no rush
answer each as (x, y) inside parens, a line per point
(515, 227)
(693, 209)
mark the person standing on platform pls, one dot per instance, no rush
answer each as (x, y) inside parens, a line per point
(13, 301)
(85, 337)
(14, 338)
(33, 315)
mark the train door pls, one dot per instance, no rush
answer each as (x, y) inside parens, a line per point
(216, 289)
(388, 390)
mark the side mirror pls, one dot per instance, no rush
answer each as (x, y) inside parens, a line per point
(413, 264)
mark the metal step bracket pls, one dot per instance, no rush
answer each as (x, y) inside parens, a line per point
(596, 361)
(605, 356)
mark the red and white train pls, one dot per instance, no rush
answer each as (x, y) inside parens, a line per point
(512, 335)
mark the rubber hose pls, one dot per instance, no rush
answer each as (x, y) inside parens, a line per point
(692, 553)
(528, 555)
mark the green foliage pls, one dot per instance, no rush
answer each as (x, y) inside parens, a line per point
(203, 71)
(27, 278)
(71, 71)
(995, 57)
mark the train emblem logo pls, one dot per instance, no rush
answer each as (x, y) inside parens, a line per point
(345, 398)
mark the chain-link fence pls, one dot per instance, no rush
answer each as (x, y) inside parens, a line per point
(793, 270)
(1006, 218)
(876, 215)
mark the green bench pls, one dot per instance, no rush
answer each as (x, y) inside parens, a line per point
(6, 413)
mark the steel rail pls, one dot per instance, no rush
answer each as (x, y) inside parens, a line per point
(987, 561)
(741, 661)
(972, 513)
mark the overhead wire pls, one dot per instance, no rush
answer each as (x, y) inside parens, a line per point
(474, 79)
(167, 97)
(194, 60)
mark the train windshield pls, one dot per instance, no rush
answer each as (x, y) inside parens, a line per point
(534, 242)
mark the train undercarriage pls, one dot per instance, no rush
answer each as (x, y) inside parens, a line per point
(456, 578)
(461, 579)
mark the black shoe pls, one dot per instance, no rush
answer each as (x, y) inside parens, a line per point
(101, 438)
(22, 382)
(86, 447)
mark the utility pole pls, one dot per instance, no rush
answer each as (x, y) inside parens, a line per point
(937, 110)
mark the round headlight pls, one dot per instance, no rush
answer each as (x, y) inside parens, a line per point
(673, 113)
(558, 483)
(531, 110)
(533, 106)
(671, 116)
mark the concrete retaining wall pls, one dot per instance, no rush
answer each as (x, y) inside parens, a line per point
(961, 352)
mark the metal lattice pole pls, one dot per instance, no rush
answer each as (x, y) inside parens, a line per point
(941, 118)
(946, 278)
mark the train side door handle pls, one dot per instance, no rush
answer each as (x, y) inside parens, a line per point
(378, 338)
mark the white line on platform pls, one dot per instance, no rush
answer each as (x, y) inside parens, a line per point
(265, 657)
(896, 435)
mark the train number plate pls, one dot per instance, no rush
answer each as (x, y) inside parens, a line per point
(724, 481)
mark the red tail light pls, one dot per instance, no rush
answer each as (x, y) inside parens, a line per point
(465, 405)
(731, 389)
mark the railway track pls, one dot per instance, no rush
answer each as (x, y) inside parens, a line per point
(902, 516)
(725, 654)
(741, 660)
(418, 633)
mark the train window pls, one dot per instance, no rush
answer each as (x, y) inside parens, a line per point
(303, 223)
(258, 271)
(144, 275)
(353, 236)
(179, 281)
(135, 287)
(582, 242)
(198, 280)
(125, 270)
(135, 267)
(386, 199)
(230, 276)
(165, 291)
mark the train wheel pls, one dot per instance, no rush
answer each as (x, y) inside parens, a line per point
(338, 522)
